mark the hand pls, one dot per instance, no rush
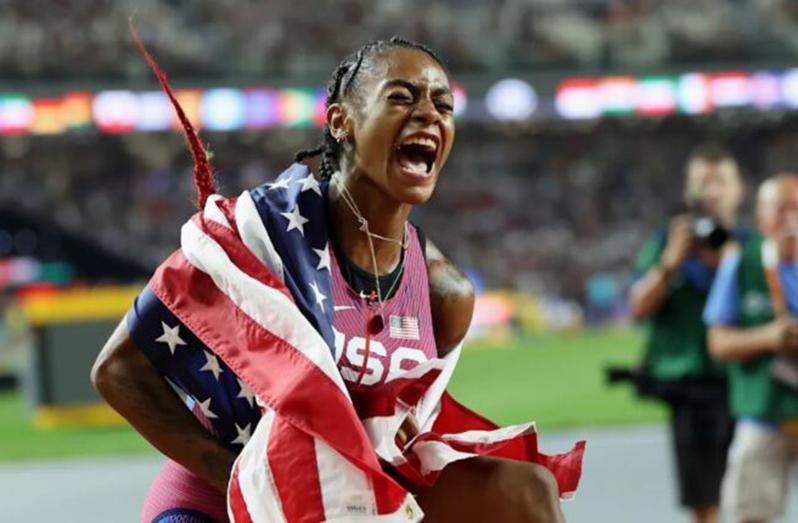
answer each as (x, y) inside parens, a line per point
(408, 430)
(680, 241)
(787, 331)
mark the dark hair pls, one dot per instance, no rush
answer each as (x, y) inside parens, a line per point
(711, 152)
(340, 85)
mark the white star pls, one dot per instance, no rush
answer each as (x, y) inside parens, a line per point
(324, 257)
(280, 184)
(246, 393)
(320, 297)
(295, 220)
(243, 434)
(205, 407)
(171, 336)
(309, 184)
(212, 364)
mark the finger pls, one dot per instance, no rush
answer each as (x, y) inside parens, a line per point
(402, 436)
(411, 431)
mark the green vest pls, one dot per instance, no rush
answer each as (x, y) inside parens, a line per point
(754, 391)
(676, 346)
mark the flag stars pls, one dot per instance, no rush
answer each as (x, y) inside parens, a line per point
(246, 393)
(212, 365)
(324, 257)
(320, 297)
(295, 220)
(282, 183)
(171, 336)
(205, 407)
(309, 184)
(244, 434)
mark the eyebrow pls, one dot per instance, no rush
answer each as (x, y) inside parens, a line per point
(398, 82)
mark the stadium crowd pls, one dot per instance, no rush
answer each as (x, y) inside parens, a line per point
(207, 38)
(537, 211)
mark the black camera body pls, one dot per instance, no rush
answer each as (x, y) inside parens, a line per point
(709, 232)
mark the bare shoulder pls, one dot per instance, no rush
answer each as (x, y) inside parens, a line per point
(451, 298)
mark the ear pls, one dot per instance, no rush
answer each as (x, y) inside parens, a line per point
(339, 121)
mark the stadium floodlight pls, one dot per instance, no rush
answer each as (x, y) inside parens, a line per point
(116, 111)
(155, 111)
(511, 99)
(16, 114)
(693, 93)
(730, 89)
(223, 109)
(766, 89)
(579, 99)
(789, 88)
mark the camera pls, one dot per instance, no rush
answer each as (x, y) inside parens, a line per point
(709, 232)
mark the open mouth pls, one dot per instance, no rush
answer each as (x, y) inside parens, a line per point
(417, 155)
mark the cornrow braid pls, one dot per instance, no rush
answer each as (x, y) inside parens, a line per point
(203, 173)
(343, 81)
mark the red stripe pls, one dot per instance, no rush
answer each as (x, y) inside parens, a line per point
(286, 379)
(292, 459)
(239, 253)
(235, 500)
(380, 400)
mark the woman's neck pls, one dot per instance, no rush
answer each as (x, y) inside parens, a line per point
(384, 215)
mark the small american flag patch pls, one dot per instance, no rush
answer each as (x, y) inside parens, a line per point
(404, 327)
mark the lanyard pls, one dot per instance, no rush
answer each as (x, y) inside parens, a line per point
(770, 261)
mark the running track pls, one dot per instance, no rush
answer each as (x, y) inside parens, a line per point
(627, 478)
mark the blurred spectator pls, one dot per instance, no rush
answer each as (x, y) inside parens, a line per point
(751, 318)
(536, 212)
(44, 39)
(676, 267)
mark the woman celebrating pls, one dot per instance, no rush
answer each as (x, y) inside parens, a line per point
(311, 309)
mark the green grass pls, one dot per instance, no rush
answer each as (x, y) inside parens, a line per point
(20, 440)
(554, 379)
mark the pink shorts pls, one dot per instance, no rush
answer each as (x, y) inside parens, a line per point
(180, 496)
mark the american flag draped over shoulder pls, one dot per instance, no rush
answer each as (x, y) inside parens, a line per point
(249, 295)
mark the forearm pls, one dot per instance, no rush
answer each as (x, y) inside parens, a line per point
(135, 389)
(649, 292)
(735, 344)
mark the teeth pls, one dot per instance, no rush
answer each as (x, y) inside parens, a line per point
(424, 142)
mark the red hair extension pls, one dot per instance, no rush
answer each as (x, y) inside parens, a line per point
(203, 173)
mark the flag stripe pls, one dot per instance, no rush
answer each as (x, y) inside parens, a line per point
(256, 486)
(237, 509)
(292, 459)
(314, 403)
(255, 236)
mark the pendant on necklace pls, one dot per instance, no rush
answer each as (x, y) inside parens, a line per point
(376, 324)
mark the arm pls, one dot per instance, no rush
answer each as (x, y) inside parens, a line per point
(650, 291)
(736, 344)
(451, 299)
(130, 384)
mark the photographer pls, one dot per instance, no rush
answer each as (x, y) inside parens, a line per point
(676, 268)
(751, 319)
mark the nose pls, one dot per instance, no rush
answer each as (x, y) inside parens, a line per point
(426, 112)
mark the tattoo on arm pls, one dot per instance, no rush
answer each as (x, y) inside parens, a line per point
(451, 299)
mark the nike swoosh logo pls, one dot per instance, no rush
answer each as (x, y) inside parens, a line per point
(342, 307)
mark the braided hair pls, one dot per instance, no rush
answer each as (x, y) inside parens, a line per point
(341, 85)
(203, 172)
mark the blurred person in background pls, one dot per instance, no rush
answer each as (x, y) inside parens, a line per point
(750, 317)
(676, 267)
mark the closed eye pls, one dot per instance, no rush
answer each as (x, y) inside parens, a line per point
(399, 97)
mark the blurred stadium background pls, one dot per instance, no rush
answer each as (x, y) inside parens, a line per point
(574, 120)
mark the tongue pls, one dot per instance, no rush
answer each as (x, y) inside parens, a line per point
(415, 163)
